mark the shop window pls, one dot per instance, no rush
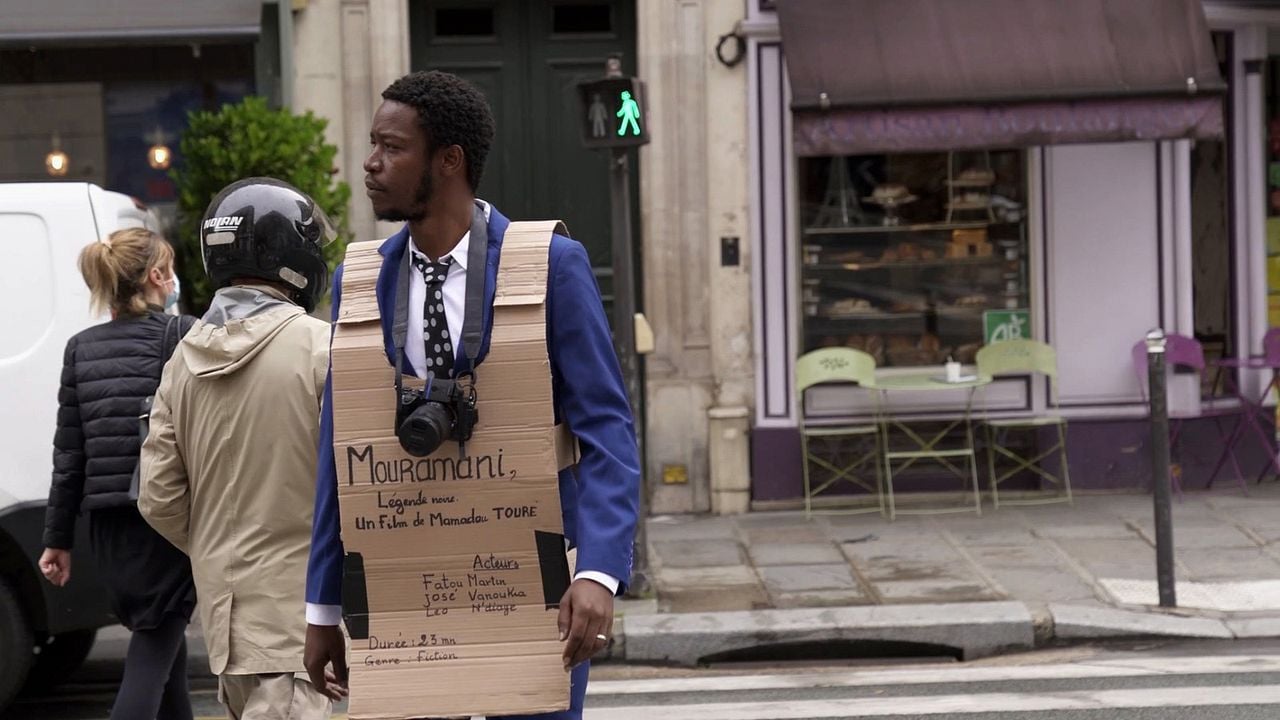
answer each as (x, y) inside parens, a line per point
(465, 22)
(1272, 78)
(582, 18)
(1212, 229)
(914, 258)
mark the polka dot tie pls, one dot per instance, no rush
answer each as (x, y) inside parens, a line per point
(435, 328)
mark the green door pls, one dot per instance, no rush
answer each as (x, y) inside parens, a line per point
(527, 56)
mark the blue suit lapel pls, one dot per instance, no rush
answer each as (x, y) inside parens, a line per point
(393, 250)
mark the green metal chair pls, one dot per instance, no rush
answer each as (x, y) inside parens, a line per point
(1024, 357)
(838, 365)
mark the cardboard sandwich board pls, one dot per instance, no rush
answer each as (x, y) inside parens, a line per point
(455, 565)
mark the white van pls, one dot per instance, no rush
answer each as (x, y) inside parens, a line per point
(45, 631)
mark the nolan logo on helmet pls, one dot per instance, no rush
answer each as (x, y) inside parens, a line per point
(223, 223)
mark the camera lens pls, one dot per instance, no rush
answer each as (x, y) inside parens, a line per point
(425, 428)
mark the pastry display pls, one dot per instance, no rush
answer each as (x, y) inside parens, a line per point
(969, 242)
(891, 196)
(912, 292)
(975, 177)
(848, 306)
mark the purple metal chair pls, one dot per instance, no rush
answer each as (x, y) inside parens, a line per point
(1254, 409)
(1187, 353)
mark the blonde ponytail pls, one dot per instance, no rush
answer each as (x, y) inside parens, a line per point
(116, 269)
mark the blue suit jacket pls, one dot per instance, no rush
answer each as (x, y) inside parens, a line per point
(600, 495)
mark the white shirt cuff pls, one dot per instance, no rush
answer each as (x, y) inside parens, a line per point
(610, 583)
(324, 614)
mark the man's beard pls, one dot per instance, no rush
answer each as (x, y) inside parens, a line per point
(418, 210)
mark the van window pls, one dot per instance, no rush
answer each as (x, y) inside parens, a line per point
(26, 282)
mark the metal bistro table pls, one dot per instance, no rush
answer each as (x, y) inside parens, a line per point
(925, 445)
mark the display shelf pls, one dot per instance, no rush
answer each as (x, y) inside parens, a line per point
(814, 231)
(971, 183)
(920, 265)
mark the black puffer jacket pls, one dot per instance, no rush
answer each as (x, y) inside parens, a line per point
(107, 370)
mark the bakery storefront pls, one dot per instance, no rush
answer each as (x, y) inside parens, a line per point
(931, 177)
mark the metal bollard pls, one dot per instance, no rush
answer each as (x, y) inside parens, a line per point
(1156, 382)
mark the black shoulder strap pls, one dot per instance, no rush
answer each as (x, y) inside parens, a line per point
(477, 256)
(172, 336)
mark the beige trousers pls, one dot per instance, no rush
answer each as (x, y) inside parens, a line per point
(281, 696)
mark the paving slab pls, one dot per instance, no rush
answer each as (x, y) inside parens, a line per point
(1091, 552)
(1016, 556)
(800, 534)
(755, 521)
(822, 598)
(1047, 585)
(698, 553)
(692, 527)
(938, 590)
(1219, 535)
(977, 629)
(1085, 531)
(797, 578)
(1075, 622)
(795, 553)
(706, 577)
(1228, 563)
(995, 536)
(709, 589)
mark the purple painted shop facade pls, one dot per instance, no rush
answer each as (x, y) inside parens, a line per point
(1128, 212)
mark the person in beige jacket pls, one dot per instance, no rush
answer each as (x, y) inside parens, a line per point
(229, 463)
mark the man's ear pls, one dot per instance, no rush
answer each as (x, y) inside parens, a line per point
(453, 161)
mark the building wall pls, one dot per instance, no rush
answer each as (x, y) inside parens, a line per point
(345, 53)
(693, 193)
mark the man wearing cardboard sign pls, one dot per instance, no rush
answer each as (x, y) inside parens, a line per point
(449, 291)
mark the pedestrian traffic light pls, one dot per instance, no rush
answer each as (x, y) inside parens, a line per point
(612, 112)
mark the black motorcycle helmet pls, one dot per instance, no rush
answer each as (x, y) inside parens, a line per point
(267, 229)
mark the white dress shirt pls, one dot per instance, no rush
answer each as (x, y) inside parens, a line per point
(455, 305)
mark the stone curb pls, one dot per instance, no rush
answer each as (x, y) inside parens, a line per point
(1079, 622)
(976, 629)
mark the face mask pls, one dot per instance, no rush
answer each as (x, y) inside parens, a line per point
(172, 298)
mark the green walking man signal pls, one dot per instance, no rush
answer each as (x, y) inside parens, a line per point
(630, 114)
(613, 113)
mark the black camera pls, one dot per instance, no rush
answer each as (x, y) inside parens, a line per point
(443, 410)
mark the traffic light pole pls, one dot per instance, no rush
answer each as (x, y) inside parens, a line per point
(624, 338)
(624, 327)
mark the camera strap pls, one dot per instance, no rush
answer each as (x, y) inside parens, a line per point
(473, 318)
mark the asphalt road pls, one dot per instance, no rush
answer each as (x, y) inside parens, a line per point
(1169, 681)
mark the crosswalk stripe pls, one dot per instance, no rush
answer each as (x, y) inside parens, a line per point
(1136, 667)
(951, 704)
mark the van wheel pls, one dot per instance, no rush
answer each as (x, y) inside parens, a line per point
(60, 657)
(15, 645)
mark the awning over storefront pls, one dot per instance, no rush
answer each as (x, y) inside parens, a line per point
(927, 75)
(127, 21)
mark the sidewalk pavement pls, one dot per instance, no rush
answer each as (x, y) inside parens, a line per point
(1009, 579)
(1059, 572)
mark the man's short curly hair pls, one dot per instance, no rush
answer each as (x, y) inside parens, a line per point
(451, 111)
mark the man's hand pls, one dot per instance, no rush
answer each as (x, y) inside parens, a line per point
(324, 646)
(586, 615)
(56, 566)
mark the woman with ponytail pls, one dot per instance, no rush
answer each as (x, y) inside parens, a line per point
(108, 371)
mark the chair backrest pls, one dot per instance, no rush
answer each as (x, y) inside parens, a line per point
(1271, 347)
(1017, 357)
(1179, 351)
(834, 364)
